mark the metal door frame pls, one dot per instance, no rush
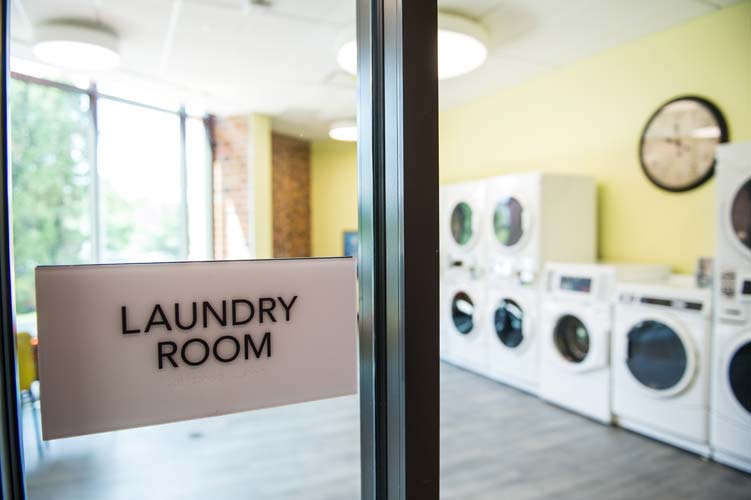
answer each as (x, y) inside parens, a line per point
(398, 267)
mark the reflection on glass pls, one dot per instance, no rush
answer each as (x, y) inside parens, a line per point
(739, 375)
(740, 214)
(509, 323)
(198, 166)
(507, 221)
(461, 223)
(195, 147)
(656, 355)
(50, 131)
(571, 338)
(462, 312)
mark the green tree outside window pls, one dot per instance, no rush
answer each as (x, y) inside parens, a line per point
(50, 147)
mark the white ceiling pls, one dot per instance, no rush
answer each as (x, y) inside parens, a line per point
(232, 56)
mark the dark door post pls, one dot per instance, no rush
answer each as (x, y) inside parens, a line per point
(398, 267)
(11, 461)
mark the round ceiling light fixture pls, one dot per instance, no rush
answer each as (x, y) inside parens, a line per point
(462, 47)
(344, 131)
(76, 45)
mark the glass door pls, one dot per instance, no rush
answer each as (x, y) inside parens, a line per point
(571, 338)
(509, 323)
(208, 140)
(657, 356)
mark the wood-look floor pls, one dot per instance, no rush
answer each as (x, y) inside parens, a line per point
(496, 443)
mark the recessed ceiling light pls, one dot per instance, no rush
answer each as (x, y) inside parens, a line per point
(343, 131)
(462, 47)
(76, 46)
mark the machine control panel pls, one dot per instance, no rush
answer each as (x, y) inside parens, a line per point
(684, 305)
(576, 284)
(675, 304)
(727, 284)
(465, 265)
(734, 303)
(587, 285)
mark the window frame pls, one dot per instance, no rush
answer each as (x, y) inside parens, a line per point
(96, 222)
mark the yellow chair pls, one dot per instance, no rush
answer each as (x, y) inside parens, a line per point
(27, 368)
(27, 375)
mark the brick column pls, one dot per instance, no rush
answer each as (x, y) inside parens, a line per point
(290, 159)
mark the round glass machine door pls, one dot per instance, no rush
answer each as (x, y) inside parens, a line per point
(739, 375)
(571, 338)
(740, 215)
(507, 221)
(509, 323)
(461, 223)
(656, 355)
(462, 313)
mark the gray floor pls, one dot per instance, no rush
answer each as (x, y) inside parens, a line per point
(500, 443)
(496, 443)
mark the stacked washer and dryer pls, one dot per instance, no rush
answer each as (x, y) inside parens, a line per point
(491, 265)
(532, 218)
(462, 290)
(730, 415)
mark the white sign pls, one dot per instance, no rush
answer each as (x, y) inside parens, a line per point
(124, 346)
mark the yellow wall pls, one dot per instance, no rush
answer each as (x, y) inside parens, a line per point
(333, 195)
(585, 118)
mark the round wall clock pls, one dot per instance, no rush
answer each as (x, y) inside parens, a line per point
(677, 148)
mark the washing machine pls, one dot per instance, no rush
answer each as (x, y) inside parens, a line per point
(510, 327)
(576, 322)
(730, 414)
(535, 217)
(660, 362)
(462, 308)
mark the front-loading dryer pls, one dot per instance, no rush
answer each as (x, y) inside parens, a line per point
(462, 309)
(461, 231)
(536, 217)
(511, 332)
(730, 414)
(576, 323)
(660, 362)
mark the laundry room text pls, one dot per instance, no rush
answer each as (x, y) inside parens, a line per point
(194, 333)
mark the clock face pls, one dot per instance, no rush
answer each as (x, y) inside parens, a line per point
(678, 144)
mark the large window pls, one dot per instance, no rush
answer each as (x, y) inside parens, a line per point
(100, 179)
